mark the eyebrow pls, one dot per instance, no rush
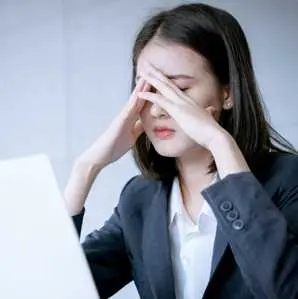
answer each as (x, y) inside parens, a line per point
(174, 77)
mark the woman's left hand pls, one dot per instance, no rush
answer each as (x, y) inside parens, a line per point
(197, 122)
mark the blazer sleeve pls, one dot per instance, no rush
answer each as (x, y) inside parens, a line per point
(106, 253)
(262, 236)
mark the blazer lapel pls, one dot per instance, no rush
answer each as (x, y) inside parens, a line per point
(219, 248)
(156, 245)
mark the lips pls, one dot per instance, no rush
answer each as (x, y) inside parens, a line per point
(163, 129)
(164, 132)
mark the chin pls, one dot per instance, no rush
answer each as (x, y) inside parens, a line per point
(171, 150)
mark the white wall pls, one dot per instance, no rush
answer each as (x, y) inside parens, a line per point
(65, 73)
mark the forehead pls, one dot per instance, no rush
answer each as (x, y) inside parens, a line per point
(172, 58)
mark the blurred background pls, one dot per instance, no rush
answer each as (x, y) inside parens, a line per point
(65, 73)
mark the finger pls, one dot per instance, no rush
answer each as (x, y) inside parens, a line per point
(151, 97)
(134, 105)
(140, 103)
(147, 86)
(139, 87)
(154, 72)
(164, 89)
(142, 85)
(159, 100)
(151, 70)
(167, 91)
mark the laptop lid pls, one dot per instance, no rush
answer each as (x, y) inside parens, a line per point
(40, 253)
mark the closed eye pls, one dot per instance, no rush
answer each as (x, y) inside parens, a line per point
(183, 89)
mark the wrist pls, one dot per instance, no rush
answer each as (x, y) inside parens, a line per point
(227, 155)
(79, 184)
(220, 139)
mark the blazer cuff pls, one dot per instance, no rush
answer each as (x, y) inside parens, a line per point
(78, 220)
(239, 203)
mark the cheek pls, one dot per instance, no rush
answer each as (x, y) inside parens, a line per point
(205, 95)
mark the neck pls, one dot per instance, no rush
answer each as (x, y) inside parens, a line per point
(194, 177)
(194, 166)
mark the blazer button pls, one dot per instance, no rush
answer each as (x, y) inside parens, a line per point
(226, 206)
(238, 224)
(232, 215)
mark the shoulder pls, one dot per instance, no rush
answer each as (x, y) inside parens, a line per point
(279, 172)
(284, 165)
(138, 193)
(286, 180)
(275, 164)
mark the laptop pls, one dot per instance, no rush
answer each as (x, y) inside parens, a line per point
(40, 253)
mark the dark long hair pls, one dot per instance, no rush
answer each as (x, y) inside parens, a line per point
(216, 35)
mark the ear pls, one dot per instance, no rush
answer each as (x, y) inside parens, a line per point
(227, 99)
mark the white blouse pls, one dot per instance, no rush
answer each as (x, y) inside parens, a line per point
(191, 246)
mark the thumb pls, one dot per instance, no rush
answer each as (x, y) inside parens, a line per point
(137, 129)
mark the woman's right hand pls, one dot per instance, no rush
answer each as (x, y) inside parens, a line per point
(120, 135)
(109, 147)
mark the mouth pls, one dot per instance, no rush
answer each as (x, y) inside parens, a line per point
(164, 132)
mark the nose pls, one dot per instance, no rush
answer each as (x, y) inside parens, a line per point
(156, 111)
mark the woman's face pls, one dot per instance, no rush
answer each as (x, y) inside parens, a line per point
(191, 73)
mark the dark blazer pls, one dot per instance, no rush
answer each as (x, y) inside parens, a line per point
(256, 246)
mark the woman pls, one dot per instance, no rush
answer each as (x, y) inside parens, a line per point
(213, 214)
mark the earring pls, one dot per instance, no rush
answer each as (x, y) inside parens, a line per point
(228, 106)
